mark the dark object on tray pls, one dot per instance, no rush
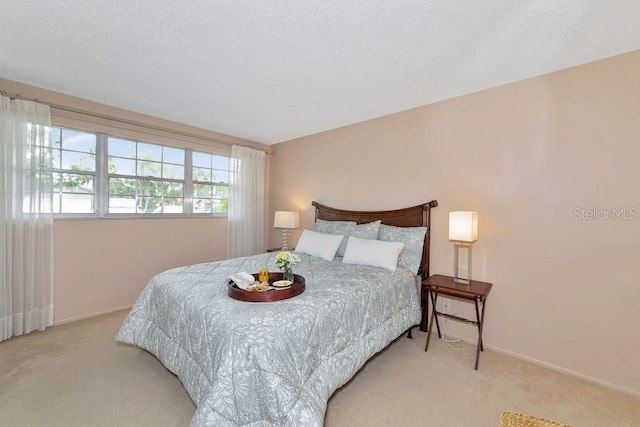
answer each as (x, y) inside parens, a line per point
(269, 295)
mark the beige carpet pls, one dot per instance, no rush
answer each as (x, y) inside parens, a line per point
(77, 375)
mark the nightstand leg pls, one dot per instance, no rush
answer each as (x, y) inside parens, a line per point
(433, 310)
(484, 302)
(424, 301)
(480, 321)
(433, 314)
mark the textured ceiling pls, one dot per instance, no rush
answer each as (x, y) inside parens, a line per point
(274, 70)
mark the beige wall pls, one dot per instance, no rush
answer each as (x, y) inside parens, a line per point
(524, 156)
(102, 265)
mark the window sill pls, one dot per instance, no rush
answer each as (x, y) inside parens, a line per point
(116, 217)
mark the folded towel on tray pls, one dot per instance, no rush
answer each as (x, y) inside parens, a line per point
(242, 279)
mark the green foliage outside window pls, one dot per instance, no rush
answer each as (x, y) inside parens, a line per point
(141, 177)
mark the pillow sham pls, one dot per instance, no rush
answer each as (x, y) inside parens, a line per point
(333, 227)
(368, 231)
(336, 227)
(375, 253)
(413, 239)
(317, 244)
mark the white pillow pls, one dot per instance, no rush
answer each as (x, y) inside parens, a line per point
(317, 244)
(375, 253)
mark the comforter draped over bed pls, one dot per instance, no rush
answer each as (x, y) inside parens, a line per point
(268, 364)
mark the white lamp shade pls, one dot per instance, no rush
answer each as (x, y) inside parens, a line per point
(463, 226)
(285, 219)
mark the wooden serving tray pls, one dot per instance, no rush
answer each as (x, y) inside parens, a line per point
(272, 294)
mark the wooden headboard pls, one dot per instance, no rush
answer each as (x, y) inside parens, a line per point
(408, 217)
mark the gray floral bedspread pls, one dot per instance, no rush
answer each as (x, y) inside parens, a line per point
(269, 364)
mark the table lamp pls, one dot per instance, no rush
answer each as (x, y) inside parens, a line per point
(463, 231)
(287, 221)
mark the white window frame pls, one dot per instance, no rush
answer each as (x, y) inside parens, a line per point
(94, 174)
(101, 183)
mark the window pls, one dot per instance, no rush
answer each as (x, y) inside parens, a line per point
(74, 171)
(210, 183)
(100, 175)
(145, 178)
(37, 169)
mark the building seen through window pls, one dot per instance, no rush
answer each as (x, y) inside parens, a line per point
(100, 175)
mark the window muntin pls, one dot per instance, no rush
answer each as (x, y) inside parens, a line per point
(74, 171)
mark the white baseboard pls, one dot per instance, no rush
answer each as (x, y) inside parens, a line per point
(90, 315)
(550, 366)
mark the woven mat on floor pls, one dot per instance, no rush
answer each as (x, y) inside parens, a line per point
(512, 419)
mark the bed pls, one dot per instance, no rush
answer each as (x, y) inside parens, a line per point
(277, 363)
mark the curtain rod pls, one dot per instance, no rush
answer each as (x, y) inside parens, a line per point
(125, 121)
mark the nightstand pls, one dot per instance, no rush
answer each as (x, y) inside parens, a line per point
(477, 292)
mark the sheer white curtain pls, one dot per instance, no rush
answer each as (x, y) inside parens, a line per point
(246, 202)
(26, 219)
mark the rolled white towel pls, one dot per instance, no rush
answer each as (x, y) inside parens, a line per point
(242, 279)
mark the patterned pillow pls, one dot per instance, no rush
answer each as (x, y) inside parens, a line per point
(413, 239)
(367, 231)
(347, 229)
(333, 227)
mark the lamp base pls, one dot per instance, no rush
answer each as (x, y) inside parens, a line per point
(456, 275)
(462, 281)
(286, 235)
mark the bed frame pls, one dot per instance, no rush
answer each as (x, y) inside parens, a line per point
(415, 216)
